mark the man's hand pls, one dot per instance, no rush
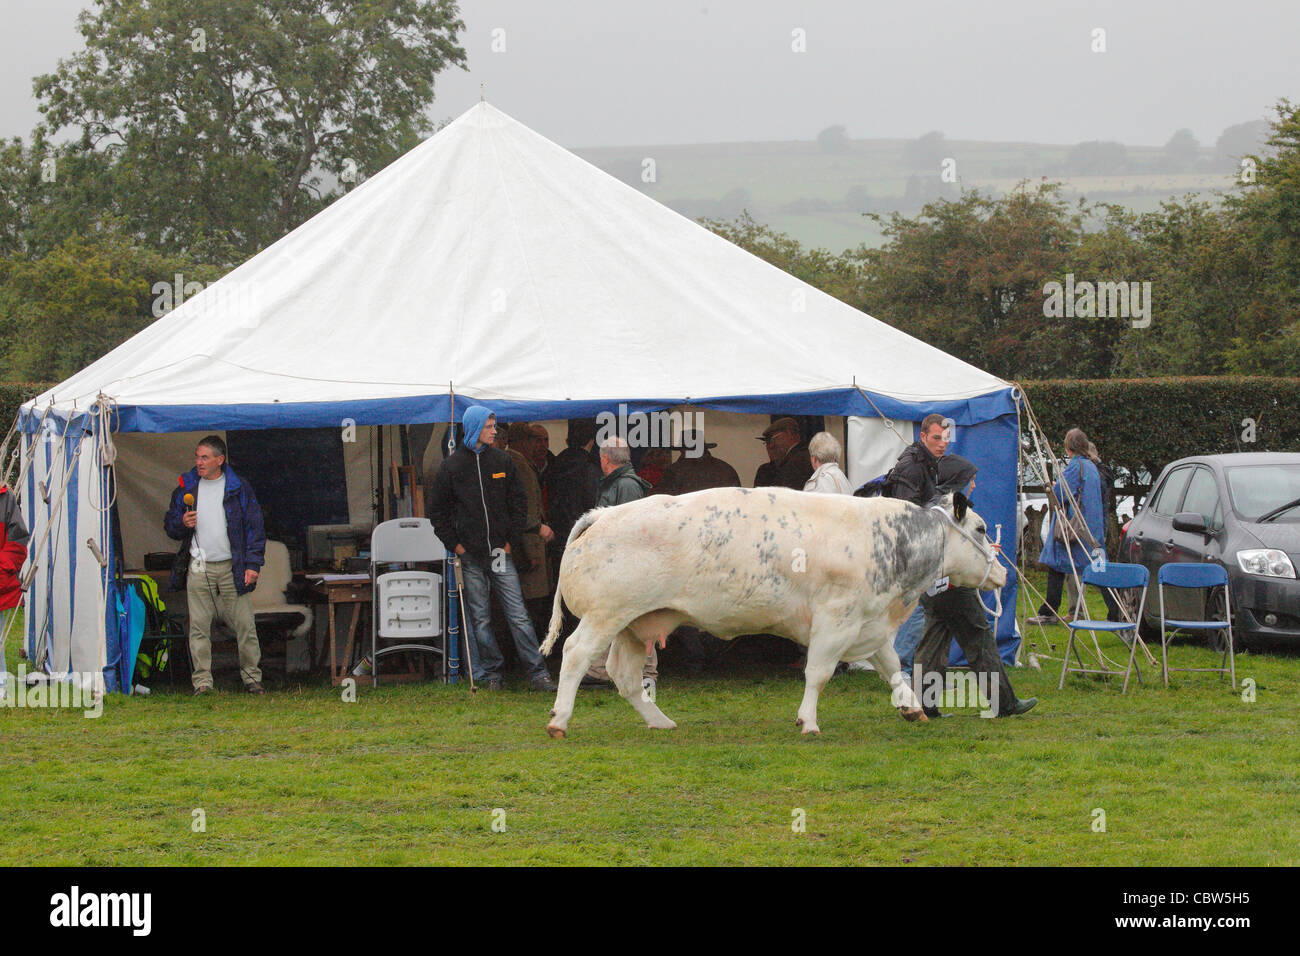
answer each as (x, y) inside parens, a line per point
(190, 519)
(546, 533)
(250, 577)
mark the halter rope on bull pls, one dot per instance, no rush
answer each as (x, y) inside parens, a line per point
(990, 550)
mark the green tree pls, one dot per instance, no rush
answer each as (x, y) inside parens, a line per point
(839, 276)
(60, 312)
(834, 139)
(968, 277)
(1269, 211)
(1181, 151)
(221, 119)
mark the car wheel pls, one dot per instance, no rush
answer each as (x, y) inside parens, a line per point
(1214, 610)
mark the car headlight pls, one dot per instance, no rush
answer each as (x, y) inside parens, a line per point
(1266, 561)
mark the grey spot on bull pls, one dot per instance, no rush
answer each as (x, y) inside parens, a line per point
(908, 552)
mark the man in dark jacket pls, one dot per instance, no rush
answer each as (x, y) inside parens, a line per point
(789, 465)
(696, 473)
(480, 512)
(958, 614)
(217, 515)
(915, 476)
(571, 485)
(619, 482)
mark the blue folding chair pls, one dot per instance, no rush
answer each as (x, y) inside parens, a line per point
(1116, 576)
(1202, 577)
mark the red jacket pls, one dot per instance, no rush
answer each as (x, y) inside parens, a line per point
(13, 550)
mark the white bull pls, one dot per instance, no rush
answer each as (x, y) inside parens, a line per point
(835, 573)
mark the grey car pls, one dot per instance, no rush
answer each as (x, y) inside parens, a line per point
(1241, 511)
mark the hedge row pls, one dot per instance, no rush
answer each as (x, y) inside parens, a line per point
(1144, 424)
(12, 395)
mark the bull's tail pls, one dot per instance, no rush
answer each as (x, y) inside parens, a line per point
(557, 622)
(557, 608)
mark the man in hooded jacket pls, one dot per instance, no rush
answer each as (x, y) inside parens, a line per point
(480, 512)
(958, 614)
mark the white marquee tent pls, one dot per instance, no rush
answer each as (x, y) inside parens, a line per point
(487, 265)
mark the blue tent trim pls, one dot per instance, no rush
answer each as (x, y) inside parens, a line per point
(436, 407)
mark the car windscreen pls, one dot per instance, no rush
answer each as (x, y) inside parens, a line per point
(1258, 489)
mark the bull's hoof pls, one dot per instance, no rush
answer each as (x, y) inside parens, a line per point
(666, 725)
(556, 733)
(812, 731)
(913, 715)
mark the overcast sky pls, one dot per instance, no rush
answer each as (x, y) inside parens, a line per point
(624, 72)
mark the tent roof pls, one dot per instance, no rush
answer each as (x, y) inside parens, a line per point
(492, 262)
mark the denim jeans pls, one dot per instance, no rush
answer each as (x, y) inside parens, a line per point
(908, 636)
(480, 581)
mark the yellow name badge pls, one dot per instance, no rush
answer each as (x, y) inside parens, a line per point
(499, 474)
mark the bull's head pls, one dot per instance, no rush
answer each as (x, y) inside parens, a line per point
(971, 561)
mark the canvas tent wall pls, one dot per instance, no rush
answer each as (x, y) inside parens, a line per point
(490, 265)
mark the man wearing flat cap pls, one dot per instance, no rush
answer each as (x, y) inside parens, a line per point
(789, 465)
(696, 472)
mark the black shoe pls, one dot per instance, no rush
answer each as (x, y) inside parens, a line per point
(204, 690)
(255, 687)
(933, 713)
(543, 682)
(589, 681)
(492, 683)
(1023, 706)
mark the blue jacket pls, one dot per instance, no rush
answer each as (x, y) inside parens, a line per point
(243, 523)
(1084, 482)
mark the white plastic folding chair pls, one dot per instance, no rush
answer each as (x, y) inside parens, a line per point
(407, 604)
(1206, 577)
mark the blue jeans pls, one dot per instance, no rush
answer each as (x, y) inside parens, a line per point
(480, 581)
(908, 636)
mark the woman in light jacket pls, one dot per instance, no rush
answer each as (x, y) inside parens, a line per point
(827, 478)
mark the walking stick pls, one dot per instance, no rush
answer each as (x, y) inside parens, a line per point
(464, 621)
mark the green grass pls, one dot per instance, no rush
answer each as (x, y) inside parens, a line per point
(412, 775)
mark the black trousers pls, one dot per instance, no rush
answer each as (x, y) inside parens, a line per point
(958, 615)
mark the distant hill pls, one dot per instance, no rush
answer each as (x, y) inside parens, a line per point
(817, 191)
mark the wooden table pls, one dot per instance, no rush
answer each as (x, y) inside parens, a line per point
(332, 593)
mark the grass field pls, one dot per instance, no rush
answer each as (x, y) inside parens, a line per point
(419, 774)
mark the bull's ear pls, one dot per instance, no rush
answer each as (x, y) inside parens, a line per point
(959, 506)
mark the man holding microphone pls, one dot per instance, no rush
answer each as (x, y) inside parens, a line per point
(217, 515)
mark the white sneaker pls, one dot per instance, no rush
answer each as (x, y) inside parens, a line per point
(648, 688)
(860, 666)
